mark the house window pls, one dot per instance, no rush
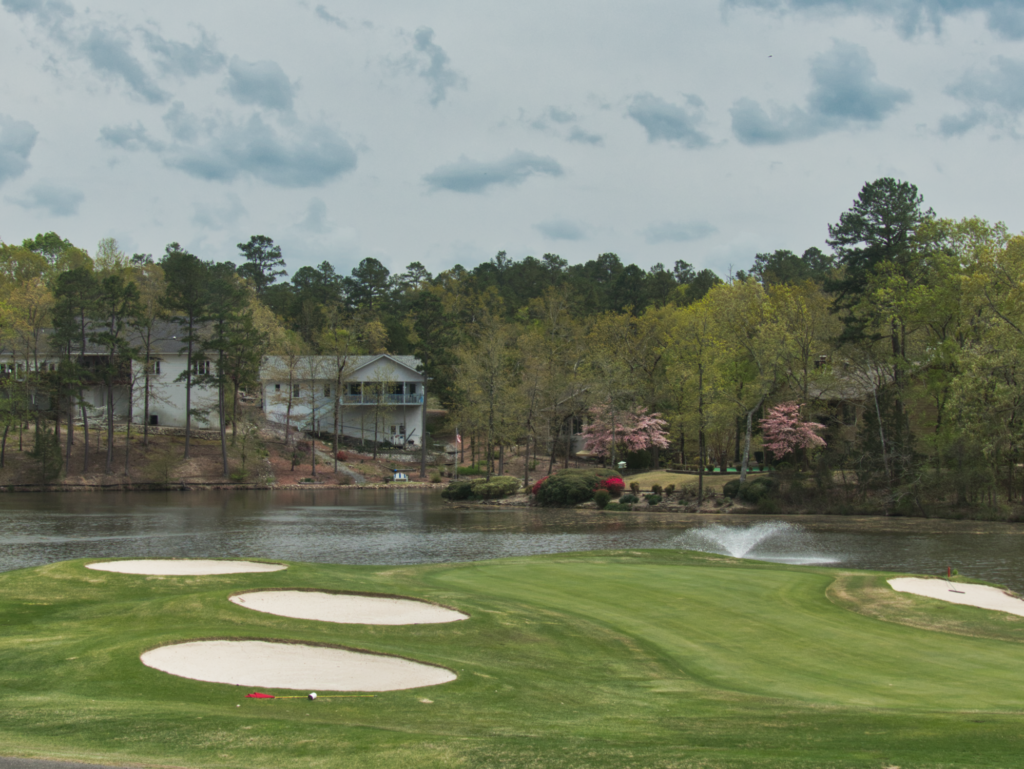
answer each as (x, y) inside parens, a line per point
(277, 388)
(849, 414)
(296, 390)
(412, 388)
(355, 388)
(156, 367)
(327, 391)
(201, 367)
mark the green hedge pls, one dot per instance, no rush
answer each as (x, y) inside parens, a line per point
(499, 486)
(480, 488)
(571, 486)
(750, 491)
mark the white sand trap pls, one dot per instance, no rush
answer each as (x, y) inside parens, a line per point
(982, 596)
(292, 666)
(350, 609)
(187, 568)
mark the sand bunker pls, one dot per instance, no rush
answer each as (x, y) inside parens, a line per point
(191, 568)
(982, 596)
(351, 609)
(292, 666)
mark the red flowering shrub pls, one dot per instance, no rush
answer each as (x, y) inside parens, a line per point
(538, 484)
(341, 456)
(614, 486)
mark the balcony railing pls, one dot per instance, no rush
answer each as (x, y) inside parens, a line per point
(370, 399)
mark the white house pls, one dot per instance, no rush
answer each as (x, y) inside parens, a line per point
(167, 396)
(380, 397)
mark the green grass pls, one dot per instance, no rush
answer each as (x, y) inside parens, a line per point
(633, 658)
(712, 481)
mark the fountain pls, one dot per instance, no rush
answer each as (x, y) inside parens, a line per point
(770, 541)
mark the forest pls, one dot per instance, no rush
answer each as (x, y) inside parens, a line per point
(905, 340)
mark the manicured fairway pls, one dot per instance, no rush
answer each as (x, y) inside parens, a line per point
(638, 658)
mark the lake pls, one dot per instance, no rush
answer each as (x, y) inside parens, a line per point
(405, 526)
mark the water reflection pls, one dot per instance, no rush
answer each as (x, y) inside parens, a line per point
(405, 526)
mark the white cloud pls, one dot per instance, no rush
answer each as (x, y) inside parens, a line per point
(55, 199)
(678, 232)
(846, 92)
(17, 138)
(109, 53)
(307, 156)
(219, 216)
(465, 175)
(433, 64)
(911, 17)
(561, 229)
(262, 83)
(665, 121)
(182, 59)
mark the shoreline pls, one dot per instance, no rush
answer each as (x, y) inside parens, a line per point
(211, 486)
(520, 503)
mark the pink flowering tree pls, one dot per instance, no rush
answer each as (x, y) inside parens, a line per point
(634, 428)
(785, 432)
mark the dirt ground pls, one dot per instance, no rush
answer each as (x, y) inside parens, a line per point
(361, 463)
(161, 462)
(270, 460)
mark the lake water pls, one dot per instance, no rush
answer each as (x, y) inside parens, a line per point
(405, 526)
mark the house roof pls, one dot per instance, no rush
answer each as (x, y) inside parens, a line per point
(323, 365)
(166, 340)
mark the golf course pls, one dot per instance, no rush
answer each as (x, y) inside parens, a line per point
(645, 658)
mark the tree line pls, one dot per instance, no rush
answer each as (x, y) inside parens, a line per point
(904, 340)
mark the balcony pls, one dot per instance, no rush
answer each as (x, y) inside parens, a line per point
(371, 399)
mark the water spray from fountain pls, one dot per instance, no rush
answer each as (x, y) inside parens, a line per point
(770, 541)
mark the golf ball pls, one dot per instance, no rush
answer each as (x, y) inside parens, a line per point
(312, 695)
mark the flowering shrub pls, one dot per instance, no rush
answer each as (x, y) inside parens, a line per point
(538, 484)
(635, 429)
(784, 431)
(614, 486)
(341, 456)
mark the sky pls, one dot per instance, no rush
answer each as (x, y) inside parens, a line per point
(705, 130)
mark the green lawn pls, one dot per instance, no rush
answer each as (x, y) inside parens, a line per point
(626, 659)
(712, 481)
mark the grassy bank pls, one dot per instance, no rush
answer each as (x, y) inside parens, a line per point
(798, 495)
(640, 658)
